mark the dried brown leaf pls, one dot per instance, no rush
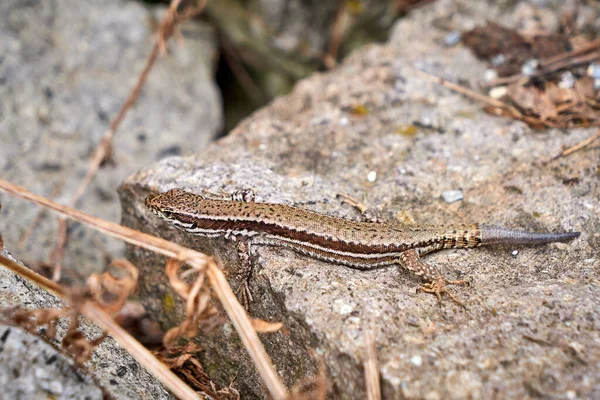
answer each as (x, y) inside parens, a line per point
(111, 292)
(263, 326)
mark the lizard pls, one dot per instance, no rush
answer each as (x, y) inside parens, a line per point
(362, 245)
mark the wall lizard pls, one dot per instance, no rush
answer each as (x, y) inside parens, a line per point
(362, 245)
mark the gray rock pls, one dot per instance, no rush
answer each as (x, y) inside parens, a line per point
(36, 368)
(308, 146)
(66, 67)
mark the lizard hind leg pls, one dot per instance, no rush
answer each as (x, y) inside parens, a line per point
(436, 284)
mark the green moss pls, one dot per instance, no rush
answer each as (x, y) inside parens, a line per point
(359, 110)
(407, 130)
(169, 303)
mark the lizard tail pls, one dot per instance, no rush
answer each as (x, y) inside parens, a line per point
(492, 234)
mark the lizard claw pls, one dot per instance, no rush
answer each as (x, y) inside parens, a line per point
(438, 287)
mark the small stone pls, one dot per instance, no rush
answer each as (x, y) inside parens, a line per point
(530, 66)
(567, 80)
(346, 309)
(515, 253)
(498, 60)
(344, 121)
(372, 176)
(451, 196)
(593, 71)
(452, 39)
(416, 360)
(490, 75)
(498, 92)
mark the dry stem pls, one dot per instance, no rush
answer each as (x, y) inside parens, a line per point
(103, 151)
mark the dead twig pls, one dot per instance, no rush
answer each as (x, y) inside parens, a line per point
(104, 150)
(593, 45)
(336, 35)
(578, 146)
(513, 111)
(195, 259)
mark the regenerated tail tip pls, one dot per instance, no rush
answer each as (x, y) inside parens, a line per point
(499, 235)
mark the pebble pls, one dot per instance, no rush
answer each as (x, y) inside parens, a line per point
(346, 309)
(452, 39)
(416, 360)
(530, 66)
(372, 176)
(515, 253)
(594, 71)
(490, 75)
(567, 80)
(451, 196)
(498, 92)
(498, 60)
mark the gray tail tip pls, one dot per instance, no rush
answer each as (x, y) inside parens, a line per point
(492, 234)
(571, 235)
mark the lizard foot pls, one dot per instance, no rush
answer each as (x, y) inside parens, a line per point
(244, 294)
(438, 287)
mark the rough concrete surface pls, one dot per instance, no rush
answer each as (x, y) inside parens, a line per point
(66, 67)
(37, 369)
(531, 327)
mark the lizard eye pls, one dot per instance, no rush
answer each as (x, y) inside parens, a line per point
(167, 214)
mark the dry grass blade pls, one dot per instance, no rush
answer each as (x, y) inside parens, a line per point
(193, 258)
(371, 368)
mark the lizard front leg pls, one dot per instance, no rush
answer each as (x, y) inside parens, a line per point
(245, 272)
(410, 261)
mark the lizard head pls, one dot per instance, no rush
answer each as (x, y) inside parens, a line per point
(175, 205)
